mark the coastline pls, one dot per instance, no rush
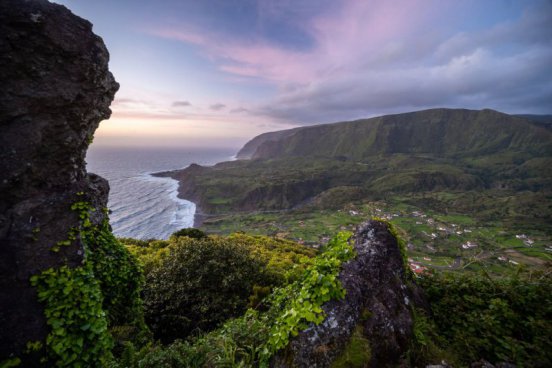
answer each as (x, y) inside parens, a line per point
(198, 218)
(198, 215)
(184, 208)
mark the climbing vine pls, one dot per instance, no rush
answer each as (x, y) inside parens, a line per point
(300, 303)
(82, 302)
(73, 310)
(119, 275)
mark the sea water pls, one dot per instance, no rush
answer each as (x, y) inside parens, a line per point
(143, 206)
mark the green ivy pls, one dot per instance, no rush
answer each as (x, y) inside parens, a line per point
(119, 275)
(73, 299)
(300, 303)
(82, 302)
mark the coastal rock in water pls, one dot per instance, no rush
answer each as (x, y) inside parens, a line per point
(56, 88)
(373, 323)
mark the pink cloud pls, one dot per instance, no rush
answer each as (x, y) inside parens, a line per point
(355, 35)
(383, 55)
(179, 35)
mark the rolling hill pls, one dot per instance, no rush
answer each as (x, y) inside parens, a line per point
(424, 151)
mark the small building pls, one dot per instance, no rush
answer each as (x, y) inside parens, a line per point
(468, 245)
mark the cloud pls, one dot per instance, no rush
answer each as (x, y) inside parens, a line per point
(239, 110)
(481, 79)
(373, 57)
(181, 104)
(217, 107)
(125, 100)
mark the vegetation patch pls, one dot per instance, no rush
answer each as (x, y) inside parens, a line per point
(198, 285)
(357, 352)
(73, 310)
(301, 302)
(252, 339)
(82, 302)
(505, 319)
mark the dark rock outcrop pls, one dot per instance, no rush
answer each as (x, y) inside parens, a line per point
(379, 302)
(56, 88)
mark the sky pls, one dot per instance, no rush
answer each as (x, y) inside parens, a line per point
(215, 73)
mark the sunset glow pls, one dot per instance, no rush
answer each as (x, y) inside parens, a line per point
(220, 72)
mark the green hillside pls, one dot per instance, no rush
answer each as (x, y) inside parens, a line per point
(439, 132)
(431, 150)
(484, 169)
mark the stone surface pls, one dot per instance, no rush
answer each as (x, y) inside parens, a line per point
(56, 88)
(380, 297)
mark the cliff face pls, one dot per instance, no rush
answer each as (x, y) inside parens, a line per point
(250, 147)
(438, 132)
(56, 88)
(376, 315)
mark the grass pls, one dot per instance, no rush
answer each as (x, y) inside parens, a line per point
(313, 226)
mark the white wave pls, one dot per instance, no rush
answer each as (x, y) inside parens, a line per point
(184, 213)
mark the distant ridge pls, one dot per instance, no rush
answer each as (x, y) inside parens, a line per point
(442, 132)
(247, 151)
(541, 120)
(486, 153)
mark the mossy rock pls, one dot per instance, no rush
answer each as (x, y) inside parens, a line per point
(357, 353)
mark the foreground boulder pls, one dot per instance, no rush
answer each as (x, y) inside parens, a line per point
(372, 325)
(56, 88)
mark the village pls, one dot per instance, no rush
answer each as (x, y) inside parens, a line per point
(434, 243)
(433, 240)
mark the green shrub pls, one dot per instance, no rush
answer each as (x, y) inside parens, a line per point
(151, 255)
(497, 319)
(198, 285)
(190, 232)
(285, 260)
(426, 346)
(132, 241)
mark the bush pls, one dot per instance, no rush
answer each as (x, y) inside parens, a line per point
(238, 343)
(507, 319)
(285, 260)
(190, 232)
(198, 285)
(151, 255)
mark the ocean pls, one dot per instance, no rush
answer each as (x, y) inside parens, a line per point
(143, 206)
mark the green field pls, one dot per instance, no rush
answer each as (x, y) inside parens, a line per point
(434, 239)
